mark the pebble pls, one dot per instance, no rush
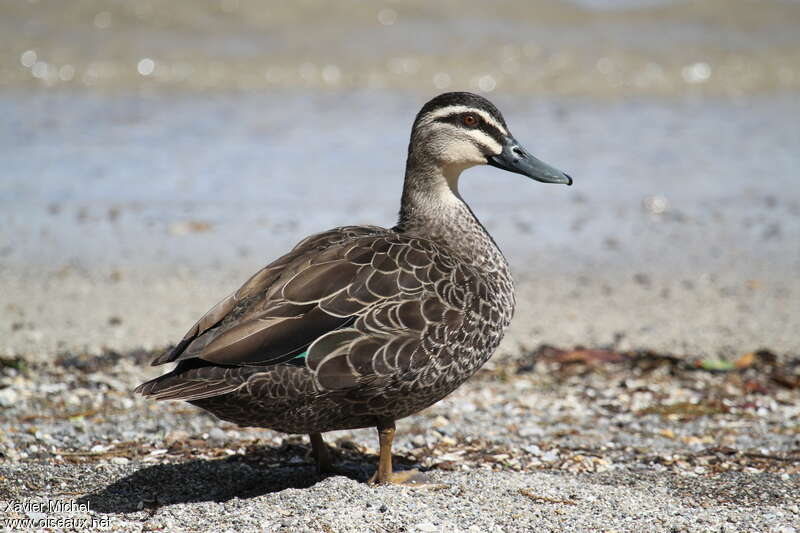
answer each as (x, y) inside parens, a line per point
(8, 397)
(531, 431)
(418, 440)
(549, 456)
(533, 450)
(218, 435)
(175, 436)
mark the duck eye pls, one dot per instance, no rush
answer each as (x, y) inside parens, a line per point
(470, 120)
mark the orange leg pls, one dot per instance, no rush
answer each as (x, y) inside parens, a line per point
(384, 475)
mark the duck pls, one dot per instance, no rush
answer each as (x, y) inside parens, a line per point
(360, 326)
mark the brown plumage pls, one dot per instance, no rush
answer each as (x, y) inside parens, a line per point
(360, 325)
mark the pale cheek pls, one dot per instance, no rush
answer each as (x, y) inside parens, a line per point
(463, 153)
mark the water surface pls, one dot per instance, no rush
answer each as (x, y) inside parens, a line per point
(192, 134)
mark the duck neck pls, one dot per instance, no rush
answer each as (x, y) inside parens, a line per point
(432, 208)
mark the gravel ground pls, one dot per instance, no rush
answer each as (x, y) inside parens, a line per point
(585, 440)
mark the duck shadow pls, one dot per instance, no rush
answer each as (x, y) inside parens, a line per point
(261, 471)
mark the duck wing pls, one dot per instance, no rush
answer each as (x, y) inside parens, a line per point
(253, 306)
(356, 305)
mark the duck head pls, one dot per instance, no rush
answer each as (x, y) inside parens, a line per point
(459, 130)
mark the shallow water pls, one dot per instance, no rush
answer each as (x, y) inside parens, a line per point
(195, 134)
(104, 181)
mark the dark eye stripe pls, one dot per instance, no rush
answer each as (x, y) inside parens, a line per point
(457, 119)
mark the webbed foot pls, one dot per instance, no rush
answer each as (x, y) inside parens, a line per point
(410, 478)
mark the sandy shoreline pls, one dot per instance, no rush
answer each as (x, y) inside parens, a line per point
(674, 239)
(721, 315)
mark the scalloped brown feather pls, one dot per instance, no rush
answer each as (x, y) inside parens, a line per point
(310, 295)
